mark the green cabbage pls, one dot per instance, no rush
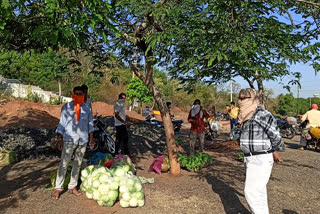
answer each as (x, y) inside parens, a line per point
(101, 203)
(124, 203)
(140, 203)
(96, 195)
(103, 188)
(113, 195)
(89, 195)
(133, 202)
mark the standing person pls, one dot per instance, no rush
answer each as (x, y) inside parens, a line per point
(146, 111)
(313, 117)
(226, 112)
(260, 139)
(87, 100)
(73, 132)
(121, 125)
(233, 112)
(196, 118)
(169, 106)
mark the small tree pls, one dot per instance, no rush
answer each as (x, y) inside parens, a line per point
(138, 90)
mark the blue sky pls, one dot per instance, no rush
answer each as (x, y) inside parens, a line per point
(310, 82)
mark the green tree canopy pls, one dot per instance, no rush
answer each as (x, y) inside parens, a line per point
(197, 40)
(138, 90)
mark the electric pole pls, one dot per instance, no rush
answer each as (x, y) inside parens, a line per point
(231, 90)
(298, 99)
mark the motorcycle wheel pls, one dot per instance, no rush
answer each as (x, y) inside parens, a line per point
(96, 145)
(211, 135)
(290, 133)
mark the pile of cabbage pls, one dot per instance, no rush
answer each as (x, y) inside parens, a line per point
(106, 187)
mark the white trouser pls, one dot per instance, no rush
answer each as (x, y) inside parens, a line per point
(68, 149)
(258, 171)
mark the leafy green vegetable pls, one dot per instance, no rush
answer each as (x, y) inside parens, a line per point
(179, 142)
(240, 156)
(104, 159)
(195, 162)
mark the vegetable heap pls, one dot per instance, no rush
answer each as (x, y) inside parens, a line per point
(99, 185)
(104, 159)
(104, 186)
(195, 162)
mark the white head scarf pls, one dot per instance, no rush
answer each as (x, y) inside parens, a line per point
(195, 109)
(248, 103)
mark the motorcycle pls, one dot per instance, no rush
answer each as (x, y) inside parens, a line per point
(211, 131)
(313, 139)
(313, 144)
(223, 116)
(102, 139)
(287, 126)
(177, 124)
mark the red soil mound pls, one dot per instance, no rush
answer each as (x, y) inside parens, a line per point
(41, 115)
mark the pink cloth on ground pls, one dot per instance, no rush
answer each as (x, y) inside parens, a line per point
(156, 164)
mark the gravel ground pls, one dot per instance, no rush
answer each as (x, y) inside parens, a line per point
(29, 143)
(293, 187)
(34, 143)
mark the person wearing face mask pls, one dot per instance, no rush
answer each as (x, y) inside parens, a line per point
(196, 118)
(73, 131)
(260, 140)
(169, 106)
(87, 100)
(121, 125)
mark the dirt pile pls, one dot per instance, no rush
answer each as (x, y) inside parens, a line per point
(41, 115)
(27, 114)
(29, 143)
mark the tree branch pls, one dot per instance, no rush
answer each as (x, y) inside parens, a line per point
(308, 2)
(137, 72)
(290, 18)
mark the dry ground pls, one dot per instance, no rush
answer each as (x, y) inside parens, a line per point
(294, 187)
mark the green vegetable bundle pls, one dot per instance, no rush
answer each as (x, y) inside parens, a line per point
(195, 162)
(104, 159)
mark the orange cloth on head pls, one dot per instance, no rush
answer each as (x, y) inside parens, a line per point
(77, 101)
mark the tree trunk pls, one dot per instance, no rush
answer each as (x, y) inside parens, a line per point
(167, 123)
(261, 91)
(59, 83)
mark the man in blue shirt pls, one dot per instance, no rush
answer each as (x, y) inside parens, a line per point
(74, 129)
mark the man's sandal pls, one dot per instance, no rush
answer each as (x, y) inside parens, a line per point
(56, 194)
(74, 191)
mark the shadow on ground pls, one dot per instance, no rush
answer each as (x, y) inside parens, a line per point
(18, 180)
(223, 178)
